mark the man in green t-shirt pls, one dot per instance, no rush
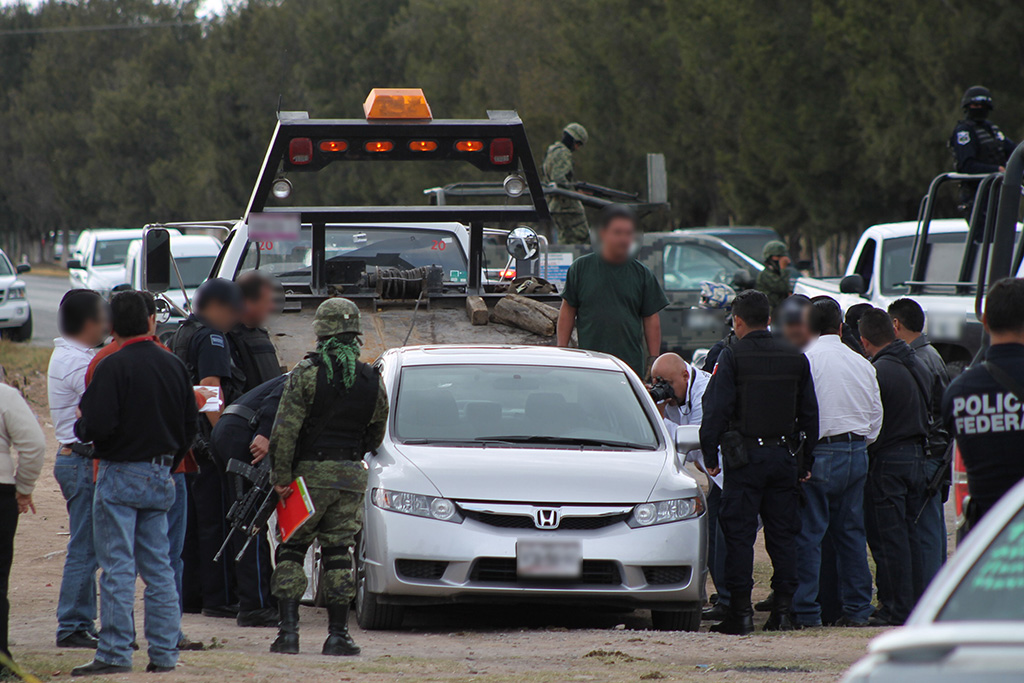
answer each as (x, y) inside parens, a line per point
(611, 298)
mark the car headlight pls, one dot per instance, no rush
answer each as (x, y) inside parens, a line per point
(15, 293)
(665, 511)
(418, 505)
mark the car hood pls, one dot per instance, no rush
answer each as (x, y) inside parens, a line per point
(112, 275)
(535, 475)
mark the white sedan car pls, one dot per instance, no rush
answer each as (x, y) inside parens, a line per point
(531, 475)
(15, 311)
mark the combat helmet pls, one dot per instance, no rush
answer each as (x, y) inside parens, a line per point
(336, 316)
(576, 132)
(774, 248)
(977, 94)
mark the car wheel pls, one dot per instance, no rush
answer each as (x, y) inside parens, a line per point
(687, 619)
(21, 334)
(371, 613)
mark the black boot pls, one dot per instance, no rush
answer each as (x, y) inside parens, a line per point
(339, 643)
(766, 605)
(781, 618)
(739, 621)
(287, 642)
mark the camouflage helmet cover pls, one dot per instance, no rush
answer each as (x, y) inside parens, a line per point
(716, 295)
(576, 132)
(774, 248)
(336, 316)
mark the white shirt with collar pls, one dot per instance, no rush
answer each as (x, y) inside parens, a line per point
(66, 384)
(690, 412)
(847, 389)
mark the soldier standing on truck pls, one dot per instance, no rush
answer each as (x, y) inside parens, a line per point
(333, 410)
(568, 214)
(773, 281)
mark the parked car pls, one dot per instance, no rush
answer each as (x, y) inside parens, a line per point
(98, 259)
(15, 310)
(527, 474)
(749, 239)
(969, 624)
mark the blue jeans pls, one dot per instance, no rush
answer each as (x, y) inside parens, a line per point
(716, 545)
(130, 527)
(892, 498)
(177, 518)
(835, 505)
(931, 527)
(76, 604)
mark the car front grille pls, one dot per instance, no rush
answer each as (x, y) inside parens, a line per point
(565, 524)
(503, 570)
(430, 570)
(661, 576)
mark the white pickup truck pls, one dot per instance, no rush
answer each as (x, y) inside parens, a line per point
(880, 268)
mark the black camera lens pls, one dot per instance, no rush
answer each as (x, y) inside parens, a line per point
(661, 391)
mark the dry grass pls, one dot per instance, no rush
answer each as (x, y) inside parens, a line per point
(23, 363)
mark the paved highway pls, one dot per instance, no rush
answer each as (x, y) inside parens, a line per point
(44, 294)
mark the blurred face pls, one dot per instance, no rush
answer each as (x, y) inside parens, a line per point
(96, 330)
(797, 333)
(220, 316)
(617, 240)
(258, 310)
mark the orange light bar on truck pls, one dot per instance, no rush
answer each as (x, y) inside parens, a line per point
(390, 104)
(422, 146)
(333, 145)
(379, 146)
(469, 145)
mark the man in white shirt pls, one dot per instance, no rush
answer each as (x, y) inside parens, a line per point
(685, 407)
(83, 324)
(849, 418)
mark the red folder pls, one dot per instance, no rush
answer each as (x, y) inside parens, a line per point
(295, 510)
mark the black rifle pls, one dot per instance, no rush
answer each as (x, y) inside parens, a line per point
(252, 507)
(940, 478)
(606, 192)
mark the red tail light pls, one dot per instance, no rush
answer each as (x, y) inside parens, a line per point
(300, 151)
(501, 151)
(960, 490)
(507, 274)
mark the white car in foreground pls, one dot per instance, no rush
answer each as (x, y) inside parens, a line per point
(969, 624)
(15, 311)
(527, 474)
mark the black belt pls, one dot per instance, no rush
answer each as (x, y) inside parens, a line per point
(847, 437)
(244, 412)
(752, 442)
(340, 454)
(84, 450)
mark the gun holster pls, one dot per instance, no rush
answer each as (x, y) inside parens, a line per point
(734, 450)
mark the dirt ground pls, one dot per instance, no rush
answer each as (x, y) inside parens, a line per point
(477, 644)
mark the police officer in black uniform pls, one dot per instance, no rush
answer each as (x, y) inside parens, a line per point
(983, 406)
(243, 434)
(202, 343)
(251, 348)
(760, 408)
(977, 144)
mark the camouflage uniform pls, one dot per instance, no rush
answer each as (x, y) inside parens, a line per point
(773, 283)
(567, 214)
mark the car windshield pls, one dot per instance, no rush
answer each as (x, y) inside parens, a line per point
(993, 589)
(194, 270)
(945, 253)
(5, 265)
(111, 252)
(519, 404)
(350, 252)
(687, 264)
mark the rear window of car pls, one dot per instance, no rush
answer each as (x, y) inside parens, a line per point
(993, 589)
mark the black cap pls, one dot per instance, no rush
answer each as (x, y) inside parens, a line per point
(220, 290)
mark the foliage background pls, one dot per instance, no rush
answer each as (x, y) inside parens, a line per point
(818, 117)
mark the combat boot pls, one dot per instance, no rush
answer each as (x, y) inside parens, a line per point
(781, 618)
(739, 620)
(339, 643)
(287, 642)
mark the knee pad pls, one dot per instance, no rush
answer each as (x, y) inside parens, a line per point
(336, 557)
(286, 554)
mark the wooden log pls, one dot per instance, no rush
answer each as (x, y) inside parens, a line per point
(477, 311)
(527, 314)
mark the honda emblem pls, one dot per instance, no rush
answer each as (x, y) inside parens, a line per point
(546, 518)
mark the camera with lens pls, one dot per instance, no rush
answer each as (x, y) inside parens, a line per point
(661, 391)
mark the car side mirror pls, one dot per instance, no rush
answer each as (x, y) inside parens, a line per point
(156, 260)
(743, 279)
(523, 244)
(853, 284)
(687, 438)
(804, 265)
(23, 268)
(75, 264)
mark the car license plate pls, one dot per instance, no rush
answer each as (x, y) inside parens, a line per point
(549, 559)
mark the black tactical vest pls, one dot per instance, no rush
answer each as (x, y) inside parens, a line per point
(255, 355)
(990, 147)
(337, 420)
(182, 347)
(769, 372)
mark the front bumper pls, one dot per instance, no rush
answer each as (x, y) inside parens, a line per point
(414, 560)
(14, 313)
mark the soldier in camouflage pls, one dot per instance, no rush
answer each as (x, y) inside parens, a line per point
(567, 214)
(333, 410)
(773, 281)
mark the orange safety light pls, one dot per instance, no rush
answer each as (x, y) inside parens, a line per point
(469, 145)
(507, 274)
(379, 146)
(422, 146)
(396, 103)
(333, 145)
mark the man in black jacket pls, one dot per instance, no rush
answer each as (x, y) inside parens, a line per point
(895, 490)
(140, 413)
(251, 348)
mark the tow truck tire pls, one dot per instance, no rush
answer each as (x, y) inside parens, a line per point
(21, 334)
(371, 613)
(687, 619)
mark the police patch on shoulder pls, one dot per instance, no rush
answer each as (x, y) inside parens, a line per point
(963, 137)
(217, 340)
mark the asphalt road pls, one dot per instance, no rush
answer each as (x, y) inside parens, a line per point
(44, 294)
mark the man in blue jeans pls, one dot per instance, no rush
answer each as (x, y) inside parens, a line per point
(849, 418)
(83, 324)
(140, 412)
